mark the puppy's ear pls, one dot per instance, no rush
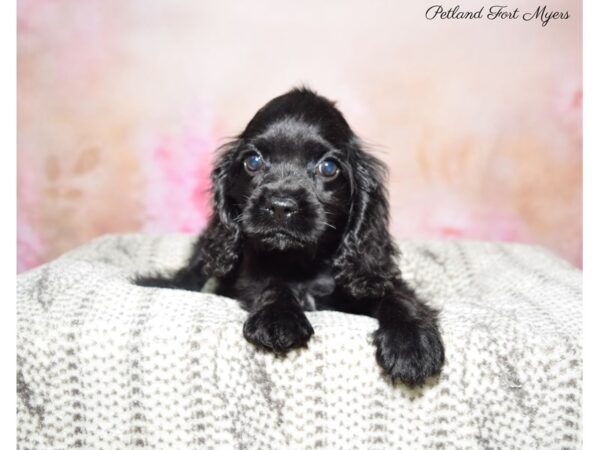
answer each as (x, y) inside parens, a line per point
(365, 265)
(217, 249)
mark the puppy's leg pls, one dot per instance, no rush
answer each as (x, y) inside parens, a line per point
(277, 322)
(188, 278)
(215, 254)
(408, 341)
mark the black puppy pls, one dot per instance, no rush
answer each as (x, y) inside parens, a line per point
(300, 223)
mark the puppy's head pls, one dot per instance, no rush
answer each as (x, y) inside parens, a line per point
(298, 178)
(290, 181)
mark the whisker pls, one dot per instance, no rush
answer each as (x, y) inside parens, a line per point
(327, 224)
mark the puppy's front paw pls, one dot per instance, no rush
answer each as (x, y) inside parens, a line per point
(410, 352)
(278, 328)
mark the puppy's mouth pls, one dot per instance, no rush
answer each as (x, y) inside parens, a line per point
(280, 234)
(280, 239)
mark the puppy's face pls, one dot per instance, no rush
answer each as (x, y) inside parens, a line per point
(290, 187)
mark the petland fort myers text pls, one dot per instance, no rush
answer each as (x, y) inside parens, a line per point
(542, 14)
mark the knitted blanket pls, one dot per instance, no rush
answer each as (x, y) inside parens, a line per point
(105, 364)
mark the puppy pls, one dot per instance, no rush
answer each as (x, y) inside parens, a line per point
(300, 223)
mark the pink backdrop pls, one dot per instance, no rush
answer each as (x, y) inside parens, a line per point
(122, 103)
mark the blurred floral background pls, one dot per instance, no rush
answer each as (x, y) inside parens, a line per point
(121, 105)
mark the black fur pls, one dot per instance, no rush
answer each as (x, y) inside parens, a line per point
(285, 238)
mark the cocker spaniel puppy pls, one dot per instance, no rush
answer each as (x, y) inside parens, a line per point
(300, 223)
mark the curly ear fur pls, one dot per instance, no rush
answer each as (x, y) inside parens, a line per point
(217, 249)
(365, 265)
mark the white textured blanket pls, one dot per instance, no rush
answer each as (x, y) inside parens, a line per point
(106, 364)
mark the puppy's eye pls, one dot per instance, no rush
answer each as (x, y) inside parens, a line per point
(328, 168)
(253, 163)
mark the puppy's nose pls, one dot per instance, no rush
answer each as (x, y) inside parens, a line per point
(282, 207)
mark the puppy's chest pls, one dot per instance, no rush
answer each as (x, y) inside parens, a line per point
(309, 293)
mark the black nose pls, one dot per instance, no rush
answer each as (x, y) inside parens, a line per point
(281, 208)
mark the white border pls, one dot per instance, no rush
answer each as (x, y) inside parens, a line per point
(8, 224)
(591, 224)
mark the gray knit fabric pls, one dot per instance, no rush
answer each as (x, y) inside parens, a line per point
(104, 364)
